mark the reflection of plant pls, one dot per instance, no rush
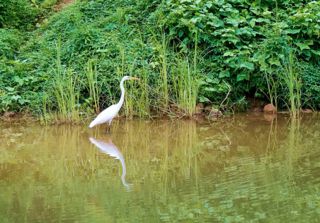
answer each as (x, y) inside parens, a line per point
(238, 45)
(179, 171)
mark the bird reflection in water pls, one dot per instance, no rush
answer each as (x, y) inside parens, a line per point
(112, 150)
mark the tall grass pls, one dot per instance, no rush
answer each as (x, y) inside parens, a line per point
(185, 85)
(45, 115)
(92, 84)
(65, 92)
(162, 63)
(292, 81)
(144, 99)
(168, 87)
(164, 70)
(137, 101)
(125, 68)
(178, 79)
(138, 94)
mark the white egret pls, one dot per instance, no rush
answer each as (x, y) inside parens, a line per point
(112, 150)
(109, 113)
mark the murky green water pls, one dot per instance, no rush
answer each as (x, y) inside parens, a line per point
(240, 169)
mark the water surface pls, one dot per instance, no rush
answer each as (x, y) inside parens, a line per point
(245, 168)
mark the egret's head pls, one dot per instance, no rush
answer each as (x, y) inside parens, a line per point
(129, 78)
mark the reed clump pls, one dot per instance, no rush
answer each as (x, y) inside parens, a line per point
(65, 92)
(93, 85)
(292, 82)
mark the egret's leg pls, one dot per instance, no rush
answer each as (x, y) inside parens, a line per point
(108, 129)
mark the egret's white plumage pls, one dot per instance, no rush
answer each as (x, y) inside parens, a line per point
(109, 113)
(111, 149)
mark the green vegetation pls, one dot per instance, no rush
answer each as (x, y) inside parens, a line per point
(65, 91)
(219, 52)
(293, 83)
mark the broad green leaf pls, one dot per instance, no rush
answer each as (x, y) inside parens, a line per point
(274, 61)
(228, 54)
(303, 46)
(223, 74)
(16, 97)
(210, 89)
(316, 52)
(247, 65)
(10, 89)
(203, 99)
(212, 80)
(292, 31)
(260, 20)
(242, 76)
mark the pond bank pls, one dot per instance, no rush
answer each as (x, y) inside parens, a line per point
(201, 115)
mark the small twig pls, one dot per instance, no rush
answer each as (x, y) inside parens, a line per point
(226, 95)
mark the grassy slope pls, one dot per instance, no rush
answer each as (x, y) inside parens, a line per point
(110, 39)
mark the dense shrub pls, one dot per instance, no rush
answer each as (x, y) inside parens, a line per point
(311, 85)
(244, 39)
(23, 14)
(17, 14)
(10, 41)
(19, 85)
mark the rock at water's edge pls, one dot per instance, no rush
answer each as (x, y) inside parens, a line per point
(269, 108)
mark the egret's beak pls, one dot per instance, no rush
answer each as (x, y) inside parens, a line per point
(134, 78)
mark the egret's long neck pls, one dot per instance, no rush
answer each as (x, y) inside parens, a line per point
(120, 103)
